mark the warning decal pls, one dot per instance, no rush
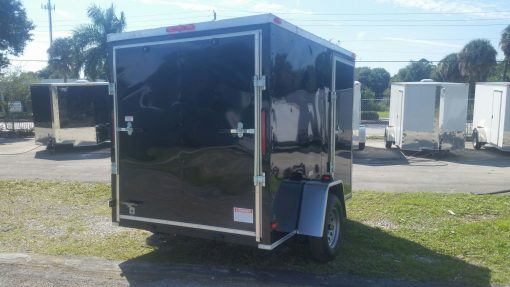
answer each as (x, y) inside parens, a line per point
(243, 215)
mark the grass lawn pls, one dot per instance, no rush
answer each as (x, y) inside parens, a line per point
(385, 114)
(424, 237)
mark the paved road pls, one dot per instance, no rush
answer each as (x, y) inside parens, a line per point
(375, 168)
(19, 269)
(21, 158)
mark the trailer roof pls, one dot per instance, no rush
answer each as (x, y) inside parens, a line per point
(428, 83)
(494, 83)
(228, 23)
(74, 84)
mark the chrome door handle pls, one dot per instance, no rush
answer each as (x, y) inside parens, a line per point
(240, 131)
(129, 129)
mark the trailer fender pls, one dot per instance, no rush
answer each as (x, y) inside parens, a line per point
(482, 134)
(313, 206)
(389, 134)
(362, 132)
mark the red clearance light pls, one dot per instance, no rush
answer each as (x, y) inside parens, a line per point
(326, 177)
(180, 28)
(274, 225)
(354, 55)
(277, 20)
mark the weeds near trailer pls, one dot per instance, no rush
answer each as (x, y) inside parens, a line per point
(459, 238)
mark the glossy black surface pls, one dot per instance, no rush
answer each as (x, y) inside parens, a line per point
(343, 142)
(182, 163)
(41, 106)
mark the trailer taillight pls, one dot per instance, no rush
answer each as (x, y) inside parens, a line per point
(277, 20)
(180, 28)
(274, 225)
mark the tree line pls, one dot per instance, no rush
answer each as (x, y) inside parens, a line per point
(475, 62)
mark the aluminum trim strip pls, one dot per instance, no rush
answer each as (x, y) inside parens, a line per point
(153, 43)
(230, 23)
(116, 134)
(189, 225)
(277, 243)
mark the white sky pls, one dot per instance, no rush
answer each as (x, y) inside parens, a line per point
(376, 30)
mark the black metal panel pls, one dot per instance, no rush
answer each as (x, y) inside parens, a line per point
(181, 163)
(41, 106)
(345, 93)
(76, 106)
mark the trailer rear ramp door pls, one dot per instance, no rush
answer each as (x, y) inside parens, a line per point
(186, 130)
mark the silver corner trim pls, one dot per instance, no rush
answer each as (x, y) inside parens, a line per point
(189, 225)
(277, 243)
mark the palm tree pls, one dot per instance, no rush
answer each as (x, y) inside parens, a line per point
(505, 47)
(93, 42)
(448, 69)
(476, 60)
(62, 58)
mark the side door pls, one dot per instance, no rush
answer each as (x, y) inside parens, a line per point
(341, 116)
(188, 136)
(497, 97)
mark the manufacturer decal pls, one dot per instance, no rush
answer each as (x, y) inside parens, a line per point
(243, 215)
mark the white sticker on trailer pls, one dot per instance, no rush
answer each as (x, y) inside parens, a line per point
(128, 118)
(243, 215)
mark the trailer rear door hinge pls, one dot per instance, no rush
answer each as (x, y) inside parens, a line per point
(111, 89)
(111, 202)
(260, 179)
(114, 168)
(259, 81)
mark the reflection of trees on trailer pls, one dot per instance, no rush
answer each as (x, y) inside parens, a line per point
(75, 114)
(491, 116)
(239, 130)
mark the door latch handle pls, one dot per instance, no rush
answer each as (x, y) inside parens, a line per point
(129, 129)
(240, 131)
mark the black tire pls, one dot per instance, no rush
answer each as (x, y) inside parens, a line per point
(361, 146)
(388, 144)
(325, 248)
(476, 142)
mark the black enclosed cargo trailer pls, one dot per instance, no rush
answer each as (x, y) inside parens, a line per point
(71, 114)
(238, 129)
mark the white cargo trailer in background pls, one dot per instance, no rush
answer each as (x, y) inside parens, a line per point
(358, 130)
(491, 116)
(427, 116)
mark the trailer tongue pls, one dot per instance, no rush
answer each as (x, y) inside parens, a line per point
(201, 147)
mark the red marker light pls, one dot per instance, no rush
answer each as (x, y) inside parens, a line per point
(180, 28)
(326, 177)
(274, 225)
(277, 20)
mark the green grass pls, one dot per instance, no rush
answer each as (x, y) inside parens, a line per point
(427, 237)
(385, 114)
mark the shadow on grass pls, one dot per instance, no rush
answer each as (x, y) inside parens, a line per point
(369, 256)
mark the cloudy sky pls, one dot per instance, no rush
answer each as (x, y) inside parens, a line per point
(383, 33)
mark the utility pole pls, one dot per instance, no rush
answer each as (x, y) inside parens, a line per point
(48, 7)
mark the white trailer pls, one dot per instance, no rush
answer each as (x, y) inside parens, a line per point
(358, 130)
(427, 116)
(491, 116)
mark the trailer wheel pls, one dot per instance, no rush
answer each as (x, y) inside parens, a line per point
(388, 144)
(361, 146)
(476, 142)
(325, 248)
